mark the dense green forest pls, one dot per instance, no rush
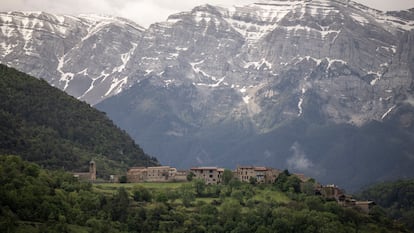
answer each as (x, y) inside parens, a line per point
(44, 125)
(37, 200)
(397, 199)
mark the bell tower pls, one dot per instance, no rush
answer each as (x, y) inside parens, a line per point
(92, 170)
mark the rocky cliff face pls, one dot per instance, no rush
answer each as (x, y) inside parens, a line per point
(84, 55)
(320, 87)
(307, 85)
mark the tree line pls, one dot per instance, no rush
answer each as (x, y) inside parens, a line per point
(397, 199)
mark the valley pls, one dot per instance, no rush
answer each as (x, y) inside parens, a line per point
(182, 126)
(319, 87)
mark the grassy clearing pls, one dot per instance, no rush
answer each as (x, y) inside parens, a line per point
(261, 195)
(110, 188)
(163, 186)
(148, 185)
(271, 195)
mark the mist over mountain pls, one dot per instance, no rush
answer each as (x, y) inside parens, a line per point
(319, 87)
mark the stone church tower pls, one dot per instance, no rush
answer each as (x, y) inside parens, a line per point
(92, 170)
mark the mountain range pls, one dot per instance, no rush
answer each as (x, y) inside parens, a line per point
(319, 87)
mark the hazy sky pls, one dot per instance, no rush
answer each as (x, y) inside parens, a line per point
(145, 12)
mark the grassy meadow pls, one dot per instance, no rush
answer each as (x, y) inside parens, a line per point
(261, 193)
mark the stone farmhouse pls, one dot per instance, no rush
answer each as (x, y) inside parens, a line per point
(155, 174)
(210, 175)
(260, 174)
(334, 192)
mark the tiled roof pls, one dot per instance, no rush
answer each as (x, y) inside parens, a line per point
(204, 168)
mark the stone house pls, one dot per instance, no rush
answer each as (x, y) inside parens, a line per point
(158, 174)
(210, 175)
(271, 175)
(155, 174)
(332, 192)
(365, 206)
(244, 173)
(261, 174)
(179, 176)
(136, 174)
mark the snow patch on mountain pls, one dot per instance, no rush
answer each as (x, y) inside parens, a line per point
(117, 84)
(388, 112)
(65, 77)
(125, 59)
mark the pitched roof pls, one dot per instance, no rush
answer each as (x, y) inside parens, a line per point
(204, 168)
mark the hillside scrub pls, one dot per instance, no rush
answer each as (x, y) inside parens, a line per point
(397, 199)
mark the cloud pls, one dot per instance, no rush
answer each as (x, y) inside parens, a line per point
(146, 12)
(387, 5)
(299, 161)
(72, 7)
(267, 154)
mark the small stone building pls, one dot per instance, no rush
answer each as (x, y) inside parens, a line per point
(210, 175)
(136, 174)
(179, 175)
(332, 192)
(365, 206)
(158, 174)
(261, 174)
(155, 174)
(271, 175)
(244, 173)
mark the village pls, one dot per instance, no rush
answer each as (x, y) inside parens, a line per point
(214, 175)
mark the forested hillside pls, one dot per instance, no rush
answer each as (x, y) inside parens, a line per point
(397, 198)
(36, 200)
(44, 125)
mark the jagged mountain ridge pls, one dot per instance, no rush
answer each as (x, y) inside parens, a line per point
(84, 55)
(110, 70)
(231, 86)
(222, 86)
